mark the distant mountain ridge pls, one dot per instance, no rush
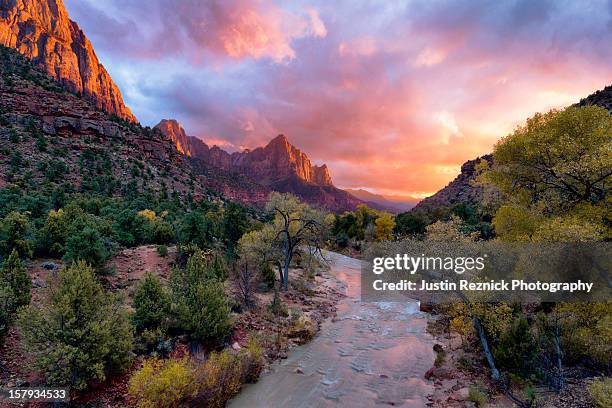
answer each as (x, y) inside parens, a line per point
(278, 166)
(382, 202)
(42, 31)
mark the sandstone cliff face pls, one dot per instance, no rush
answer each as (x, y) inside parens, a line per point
(42, 31)
(278, 166)
(277, 161)
(173, 130)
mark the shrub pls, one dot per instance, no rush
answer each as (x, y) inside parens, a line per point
(79, 332)
(478, 397)
(517, 349)
(14, 231)
(277, 307)
(267, 275)
(151, 303)
(219, 378)
(6, 309)
(253, 360)
(161, 383)
(601, 392)
(86, 245)
(52, 236)
(209, 319)
(162, 250)
(15, 279)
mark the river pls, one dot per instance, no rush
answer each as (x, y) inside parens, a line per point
(371, 354)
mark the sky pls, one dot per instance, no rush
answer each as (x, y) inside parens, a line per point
(392, 95)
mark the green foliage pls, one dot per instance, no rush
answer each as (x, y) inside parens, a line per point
(14, 234)
(199, 302)
(196, 228)
(411, 223)
(209, 320)
(478, 397)
(517, 349)
(162, 250)
(52, 235)
(267, 275)
(235, 223)
(277, 307)
(79, 332)
(601, 392)
(88, 246)
(556, 165)
(15, 279)
(151, 303)
(6, 310)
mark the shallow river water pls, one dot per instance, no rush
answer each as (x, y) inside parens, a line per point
(371, 354)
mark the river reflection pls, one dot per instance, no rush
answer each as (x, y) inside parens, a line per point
(372, 354)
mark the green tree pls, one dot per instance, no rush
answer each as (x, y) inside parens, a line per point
(14, 232)
(52, 236)
(234, 224)
(14, 277)
(79, 332)
(557, 164)
(151, 303)
(199, 303)
(88, 246)
(196, 228)
(210, 320)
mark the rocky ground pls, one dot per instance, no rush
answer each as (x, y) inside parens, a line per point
(460, 367)
(308, 303)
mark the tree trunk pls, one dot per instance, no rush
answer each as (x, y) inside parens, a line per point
(485, 347)
(286, 272)
(560, 378)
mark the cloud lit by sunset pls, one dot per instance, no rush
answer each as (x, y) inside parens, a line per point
(394, 96)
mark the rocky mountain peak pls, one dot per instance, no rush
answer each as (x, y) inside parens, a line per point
(42, 31)
(175, 132)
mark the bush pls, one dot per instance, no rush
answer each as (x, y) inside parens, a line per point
(6, 310)
(517, 349)
(151, 303)
(16, 281)
(79, 332)
(219, 378)
(267, 275)
(253, 360)
(88, 246)
(14, 231)
(601, 392)
(162, 250)
(161, 383)
(277, 307)
(478, 397)
(172, 383)
(209, 320)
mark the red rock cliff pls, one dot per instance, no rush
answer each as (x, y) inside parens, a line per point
(172, 129)
(42, 31)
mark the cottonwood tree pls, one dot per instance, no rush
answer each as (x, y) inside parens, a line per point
(558, 165)
(295, 224)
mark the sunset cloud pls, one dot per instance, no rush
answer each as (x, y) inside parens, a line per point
(393, 96)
